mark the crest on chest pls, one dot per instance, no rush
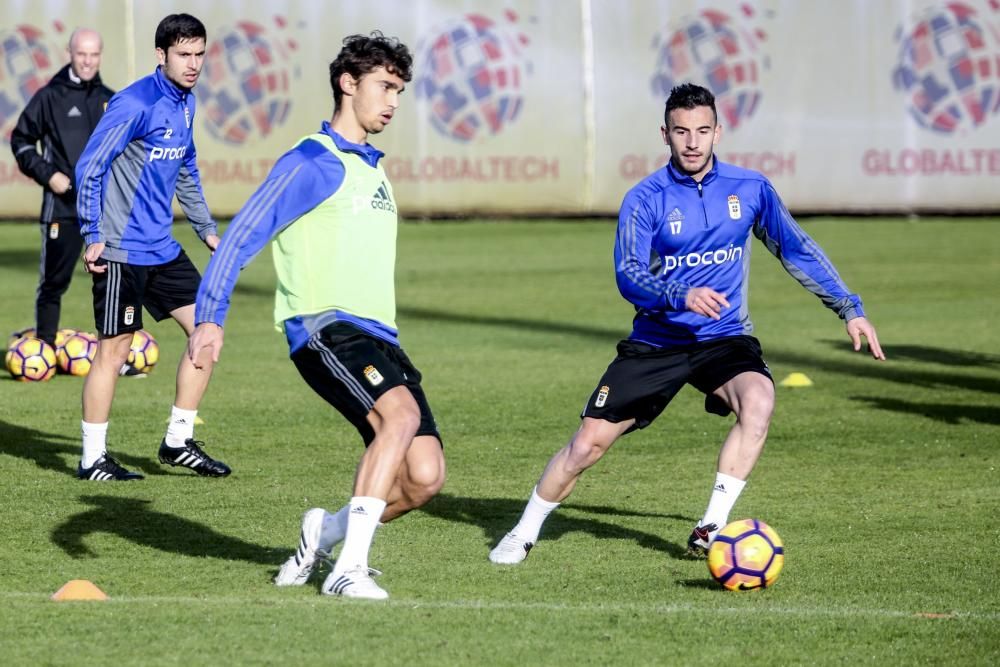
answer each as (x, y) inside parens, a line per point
(734, 207)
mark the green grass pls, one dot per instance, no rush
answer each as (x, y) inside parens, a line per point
(881, 478)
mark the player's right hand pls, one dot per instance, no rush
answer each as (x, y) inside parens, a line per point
(90, 257)
(59, 183)
(206, 338)
(705, 301)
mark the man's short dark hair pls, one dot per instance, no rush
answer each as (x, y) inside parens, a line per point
(363, 54)
(689, 96)
(177, 27)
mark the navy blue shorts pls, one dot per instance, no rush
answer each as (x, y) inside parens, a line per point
(350, 370)
(123, 290)
(642, 379)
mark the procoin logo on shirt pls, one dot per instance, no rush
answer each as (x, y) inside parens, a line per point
(693, 259)
(160, 153)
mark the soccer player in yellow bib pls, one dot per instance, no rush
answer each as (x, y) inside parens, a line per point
(329, 209)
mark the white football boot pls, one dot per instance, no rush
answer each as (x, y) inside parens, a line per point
(355, 583)
(511, 550)
(312, 550)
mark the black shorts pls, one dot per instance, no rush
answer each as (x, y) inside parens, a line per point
(643, 379)
(121, 292)
(350, 370)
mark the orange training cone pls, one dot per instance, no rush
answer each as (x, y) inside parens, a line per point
(79, 589)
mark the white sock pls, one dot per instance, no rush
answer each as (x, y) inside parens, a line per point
(95, 442)
(362, 520)
(535, 513)
(724, 495)
(334, 528)
(181, 426)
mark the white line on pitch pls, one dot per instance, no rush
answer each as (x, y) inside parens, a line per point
(496, 605)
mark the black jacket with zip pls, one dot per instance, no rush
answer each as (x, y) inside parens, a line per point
(60, 116)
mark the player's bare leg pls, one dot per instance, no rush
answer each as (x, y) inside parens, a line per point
(588, 445)
(179, 448)
(420, 477)
(98, 394)
(377, 473)
(751, 397)
(99, 384)
(399, 419)
(192, 381)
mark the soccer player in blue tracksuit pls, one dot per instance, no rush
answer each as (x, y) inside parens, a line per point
(140, 154)
(682, 257)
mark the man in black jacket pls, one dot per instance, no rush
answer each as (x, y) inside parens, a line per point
(60, 118)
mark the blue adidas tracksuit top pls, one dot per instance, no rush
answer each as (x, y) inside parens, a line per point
(140, 154)
(675, 234)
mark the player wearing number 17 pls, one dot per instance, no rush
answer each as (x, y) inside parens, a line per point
(329, 208)
(682, 258)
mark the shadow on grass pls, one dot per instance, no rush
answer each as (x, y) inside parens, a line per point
(20, 260)
(936, 355)
(135, 520)
(612, 336)
(51, 451)
(495, 516)
(863, 366)
(707, 583)
(949, 413)
(840, 363)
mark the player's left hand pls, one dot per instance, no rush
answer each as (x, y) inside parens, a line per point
(212, 241)
(860, 326)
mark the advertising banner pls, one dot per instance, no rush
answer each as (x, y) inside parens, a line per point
(554, 107)
(863, 106)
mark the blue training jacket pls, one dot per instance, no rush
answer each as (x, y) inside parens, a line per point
(675, 233)
(140, 154)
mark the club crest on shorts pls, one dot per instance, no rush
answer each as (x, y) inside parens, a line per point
(602, 396)
(734, 207)
(54, 231)
(373, 376)
(129, 315)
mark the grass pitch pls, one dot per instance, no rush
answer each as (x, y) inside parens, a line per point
(882, 479)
